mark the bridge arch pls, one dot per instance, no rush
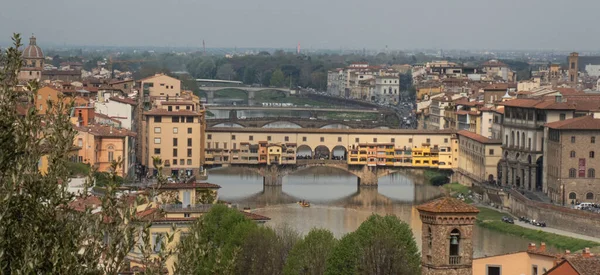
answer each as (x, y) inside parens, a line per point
(304, 152)
(336, 126)
(340, 168)
(322, 152)
(339, 152)
(228, 124)
(281, 124)
(382, 127)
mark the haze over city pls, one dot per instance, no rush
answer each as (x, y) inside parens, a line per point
(463, 24)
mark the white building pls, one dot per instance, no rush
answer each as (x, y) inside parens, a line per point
(121, 109)
(387, 89)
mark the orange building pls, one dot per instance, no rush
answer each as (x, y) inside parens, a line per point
(100, 145)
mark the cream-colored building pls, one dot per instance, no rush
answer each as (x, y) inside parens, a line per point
(533, 261)
(478, 158)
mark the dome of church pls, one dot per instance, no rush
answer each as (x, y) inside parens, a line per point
(33, 51)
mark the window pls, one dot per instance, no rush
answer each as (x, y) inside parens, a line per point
(189, 130)
(393, 140)
(232, 137)
(563, 116)
(157, 241)
(494, 270)
(156, 140)
(446, 140)
(189, 119)
(428, 140)
(175, 130)
(593, 140)
(170, 108)
(268, 138)
(534, 270)
(591, 173)
(157, 119)
(157, 151)
(589, 196)
(455, 247)
(491, 152)
(111, 156)
(374, 139)
(250, 137)
(572, 139)
(189, 153)
(357, 140)
(174, 161)
(174, 141)
(174, 152)
(592, 154)
(339, 139)
(572, 173)
(303, 138)
(286, 138)
(189, 162)
(157, 130)
(572, 154)
(572, 196)
(209, 136)
(322, 139)
(189, 142)
(175, 119)
(80, 142)
(529, 144)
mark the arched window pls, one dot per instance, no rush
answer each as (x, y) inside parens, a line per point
(111, 153)
(572, 196)
(591, 173)
(572, 154)
(592, 154)
(429, 238)
(523, 139)
(518, 139)
(572, 172)
(512, 138)
(589, 196)
(455, 247)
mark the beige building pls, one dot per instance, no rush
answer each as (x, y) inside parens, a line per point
(533, 261)
(478, 158)
(571, 164)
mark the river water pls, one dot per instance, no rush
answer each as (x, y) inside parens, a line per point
(339, 205)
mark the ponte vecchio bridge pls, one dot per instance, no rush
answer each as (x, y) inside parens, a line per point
(366, 153)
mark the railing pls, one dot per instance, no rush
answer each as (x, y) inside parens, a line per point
(455, 260)
(191, 208)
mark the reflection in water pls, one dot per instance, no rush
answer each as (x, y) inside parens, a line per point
(338, 204)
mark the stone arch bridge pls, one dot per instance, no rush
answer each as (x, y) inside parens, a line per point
(250, 91)
(366, 175)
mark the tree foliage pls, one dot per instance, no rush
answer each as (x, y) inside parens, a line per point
(277, 78)
(309, 255)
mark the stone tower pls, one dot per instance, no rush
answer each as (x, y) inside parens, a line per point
(573, 68)
(33, 62)
(447, 245)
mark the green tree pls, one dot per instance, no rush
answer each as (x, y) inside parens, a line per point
(226, 72)
(381, 245)
(249, 75)
(277, 78)
(309, 255)
(206, 69)
(214, 242)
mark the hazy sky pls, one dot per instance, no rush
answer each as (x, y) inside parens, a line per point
(373, 24)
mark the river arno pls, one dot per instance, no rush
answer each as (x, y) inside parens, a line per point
(339, 205)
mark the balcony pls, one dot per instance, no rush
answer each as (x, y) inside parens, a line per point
(455, 260)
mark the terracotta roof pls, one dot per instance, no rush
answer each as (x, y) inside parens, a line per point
(578, 123)
(124, 100)
(585, 265)
(328, 131)
(177, 103)
(120, 81)
(33, 50)
(61, 72)
(190, 185)
(499, 86)
(105, 131)
(163, 112)
(447, 205)
(255, 217)
(81, 203)
(478, 138)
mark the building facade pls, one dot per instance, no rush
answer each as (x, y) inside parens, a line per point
(571, 165)
(478, 158)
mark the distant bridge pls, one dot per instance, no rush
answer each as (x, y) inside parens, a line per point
(265, 122)
(210, 90)
(311, 109)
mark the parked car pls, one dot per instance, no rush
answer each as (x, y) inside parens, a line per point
(508, 219)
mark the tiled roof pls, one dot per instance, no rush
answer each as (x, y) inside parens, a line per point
(578, 123)
(61, 72)
(255, 217)
(105, 131)
(190, 185)
(124, 100)
(163, 112)
(328, 131)
(499, 86)
(585, 266)
(447, 205)
(478, 138)
(177, 103)
(80, 204)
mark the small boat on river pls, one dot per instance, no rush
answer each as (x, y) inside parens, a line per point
(304, 203)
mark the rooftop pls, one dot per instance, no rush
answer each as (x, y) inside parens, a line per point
(164, 112)
(105, 131)
(478, 138)
(578, 123)
(447, 205)
(124, 100)
(329, 131)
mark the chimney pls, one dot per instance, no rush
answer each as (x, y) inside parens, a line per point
(111, 129)
(247, 209)
(531, 247)
(586, 253)
(542, 247)
(567, 252)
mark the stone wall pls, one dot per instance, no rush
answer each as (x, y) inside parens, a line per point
(572, 220)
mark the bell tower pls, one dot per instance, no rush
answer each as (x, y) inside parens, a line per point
(447, 245)
(573, 68)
